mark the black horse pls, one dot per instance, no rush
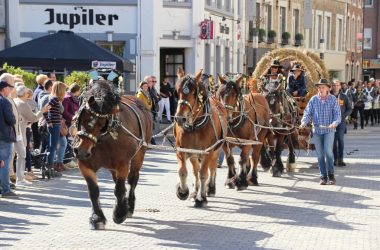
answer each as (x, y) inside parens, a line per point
(283, 120)
(112, 133)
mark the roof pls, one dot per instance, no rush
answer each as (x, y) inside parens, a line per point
(61, 50)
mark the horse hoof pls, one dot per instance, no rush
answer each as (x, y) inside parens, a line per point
(119, 220)
(241, 188)
(200, 204)
(211, 191)
(276, 174)
(266, 169)
(230, 183)
(129, 214)
(180, 195)
(97, 226)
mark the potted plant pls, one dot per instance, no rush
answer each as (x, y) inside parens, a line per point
(298, 39)
(285, 38)
(271, 36)
(252, 32)
(261, 35)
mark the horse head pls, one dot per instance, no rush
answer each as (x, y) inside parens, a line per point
(93, 117)
(229, 94)
(192, 94)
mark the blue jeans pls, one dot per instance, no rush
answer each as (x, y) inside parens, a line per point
(61, 149)
(221, 157)
(339, 141)
(324, 146)
(6, 149)
(53, 141)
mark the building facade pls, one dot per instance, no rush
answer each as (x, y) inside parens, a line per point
(329, 28)
(156, 36)
(218, 36)
(371, 44)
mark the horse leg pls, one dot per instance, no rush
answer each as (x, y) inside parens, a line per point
(231, 175)
(97, 219)
(133, 178)
(121, 207)
(201, 200)
(182, 188)
(259, 152)
(241, 179)
(291, 161)
(195, 163)
(211, 186)
(278, 167)
(265, 159)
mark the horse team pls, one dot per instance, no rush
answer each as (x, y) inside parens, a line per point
(113, 132)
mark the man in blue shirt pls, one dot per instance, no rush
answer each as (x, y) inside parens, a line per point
(324, 112)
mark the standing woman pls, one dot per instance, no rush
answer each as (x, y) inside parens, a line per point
(26, 116)
(323, 110)
(53, 119)
(164, 103)
(71, 106)
(144, 95)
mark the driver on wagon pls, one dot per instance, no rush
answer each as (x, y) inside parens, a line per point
(296, 82)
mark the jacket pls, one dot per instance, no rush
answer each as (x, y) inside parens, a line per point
(71, 106)
(145, 98)
(26, 115)
(344, 104)
(7, 121)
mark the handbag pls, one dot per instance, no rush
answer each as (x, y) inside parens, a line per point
(64, 130)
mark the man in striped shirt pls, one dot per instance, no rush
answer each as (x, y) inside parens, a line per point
(324, 112)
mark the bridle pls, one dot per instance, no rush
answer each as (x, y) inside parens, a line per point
(239, 105)
(198, 99)
(110, 126)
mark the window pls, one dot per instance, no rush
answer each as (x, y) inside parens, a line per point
(348, 33)
(353, 33)
(207, 58)
(296, 15)
(226, 59)
(269, 17)
(227, 5)
(368, 3)
(208, 2)
(328, 32)
(339, 33)
(219, 4)
(367, 44)
(319, 31)
(115, 47)
(171, 59)
(218, 69)
(258, 17)
(282, 20)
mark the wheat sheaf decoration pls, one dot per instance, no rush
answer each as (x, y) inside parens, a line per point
(310, 62)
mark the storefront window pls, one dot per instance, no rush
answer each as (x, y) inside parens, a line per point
(115, 47)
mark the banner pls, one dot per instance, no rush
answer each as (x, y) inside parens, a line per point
(308, 14)
(103, 65)
(207, 29)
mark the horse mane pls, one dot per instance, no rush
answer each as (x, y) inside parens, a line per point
(224, 87)
(105, 98)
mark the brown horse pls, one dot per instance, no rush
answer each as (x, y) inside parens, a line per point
(244, 112)
(283, 120)
(112, 133)
(201, 124)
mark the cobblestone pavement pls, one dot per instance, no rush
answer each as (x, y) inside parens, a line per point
(292, 212)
